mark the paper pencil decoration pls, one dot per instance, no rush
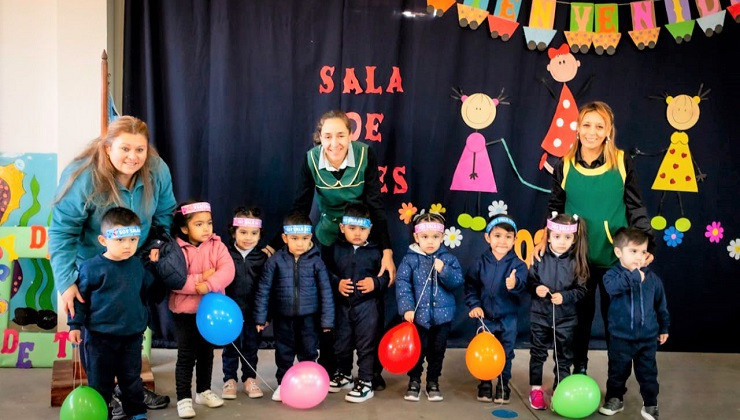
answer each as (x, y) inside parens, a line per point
(679, 17)
(734, 10)
(539, 33)
(644, 32)
(503, 21)
(712, 23)
(439, 7)
(472, 13)
(581, 33)
(607, 33)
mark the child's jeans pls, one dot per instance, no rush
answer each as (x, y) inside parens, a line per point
(295, 336)
(504, 329)
(192, 351)
(248, 344)
(356, 327)
(622, 353)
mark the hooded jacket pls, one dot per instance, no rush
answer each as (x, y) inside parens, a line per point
(248, 271)
(485, 284)
(557, 273)
(344, 261)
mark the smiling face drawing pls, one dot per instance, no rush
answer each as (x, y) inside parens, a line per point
(683, 111)
(478, 110)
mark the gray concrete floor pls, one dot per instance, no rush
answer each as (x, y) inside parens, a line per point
(693, 386)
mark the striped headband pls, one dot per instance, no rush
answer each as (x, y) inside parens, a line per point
(357, 221)
(247, 222)
(297, 229)
(429, 226)
(122, 232)
(195, 208)
(499, 220)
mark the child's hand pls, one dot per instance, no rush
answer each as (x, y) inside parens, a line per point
(208, 273)
(511, 280)
(261, 327)
(366, 285)
(556, 298)
(409, 316)
(75, 337)
(201, 288)
(542, 291)
(326, 329)
(345, 287)
(438, 265)
(642, 275)
(476, 313)
(154, 255)
(661, 338)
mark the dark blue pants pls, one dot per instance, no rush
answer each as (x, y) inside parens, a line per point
(248, 344)
(504, 329)
(295, 336)
(622, 354)
(356, 328)
(542, 338)
(433, 347)
(111, 356)
(193, 351)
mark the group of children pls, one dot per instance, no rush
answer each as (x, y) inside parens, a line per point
(302, 289)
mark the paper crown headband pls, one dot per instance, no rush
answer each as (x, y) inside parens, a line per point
(123, 232)
(195, 208)
(297, 229)
(562, 227)
(357, 221)
(500, 220)
(429, 226)
(247, 222)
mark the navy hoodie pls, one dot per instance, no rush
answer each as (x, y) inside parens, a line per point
(557, 273)
(344, 261)
(248, 271)
(485, 284)
(638, 309)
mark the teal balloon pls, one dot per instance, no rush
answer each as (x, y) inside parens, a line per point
(84, 403)
(219, 319)
(576, 397)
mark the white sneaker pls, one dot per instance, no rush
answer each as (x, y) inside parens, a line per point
(252, 389)
(229, 390)
(185, 408)
(276, 394)
(208, 398)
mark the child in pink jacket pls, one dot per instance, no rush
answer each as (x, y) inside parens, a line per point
(210, 269)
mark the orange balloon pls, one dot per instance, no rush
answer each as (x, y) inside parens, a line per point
(485, 356)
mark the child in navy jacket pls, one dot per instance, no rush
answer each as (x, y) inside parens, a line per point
(493, 286)
(425, 284)
(638, 322)
(354, 264)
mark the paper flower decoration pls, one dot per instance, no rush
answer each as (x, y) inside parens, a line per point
(437, 208)
(715, 232)
(406, 212)
(497, 207)
(734, 248)
(672, 237)
(453, 237)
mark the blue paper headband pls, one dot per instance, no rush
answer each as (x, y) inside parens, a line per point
(297, 229)
(123, 232)
(499, 220)
(356, 221)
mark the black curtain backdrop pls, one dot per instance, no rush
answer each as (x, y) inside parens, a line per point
(231, 93)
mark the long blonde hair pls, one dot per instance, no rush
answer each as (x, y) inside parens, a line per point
(103, 173)
(610, 146)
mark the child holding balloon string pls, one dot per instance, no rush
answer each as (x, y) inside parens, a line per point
(556, 283)
(209, 269)
(425, 284)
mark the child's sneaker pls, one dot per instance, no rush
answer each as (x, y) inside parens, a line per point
(252, 389)
(229, 390)
(612, 406)
(433, 392)
(412, 392)
(485, 391)
(276, 394)
(208, 398)
(185, 408)
(339, 382)
(503, 394)
(650, 412)
(362, 392)
(138, 417)
(537, 399)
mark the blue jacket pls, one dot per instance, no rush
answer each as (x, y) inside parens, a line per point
(437, 303)
(171, 269)
(558, 275)
(246, 277)
(75, 222)
(638, 309)
(115, 294)
(295, 287)
(345, 262)
(485, 284)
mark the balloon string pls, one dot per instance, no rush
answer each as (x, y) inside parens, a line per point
(75, 361)
(483, 325)
(253, 369)
(554, 342)
(429, 277)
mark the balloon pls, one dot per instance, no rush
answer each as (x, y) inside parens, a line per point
(485, 356)
(576, 397)
(219, 319)
(400, 348)
(84, 403)
(304, 385)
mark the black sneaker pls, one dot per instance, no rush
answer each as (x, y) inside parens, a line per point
(378, 383)
(412, 392)
(155, 401)
(116, 409)
(503, 394)
(579, 368)
(485, 391)
(339, 382)
(362, 392)
(612, 406)
(433, 392)
(649, 412)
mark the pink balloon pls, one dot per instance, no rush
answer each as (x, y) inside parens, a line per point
(304, 385)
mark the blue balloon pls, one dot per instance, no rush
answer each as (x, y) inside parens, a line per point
(219, 319)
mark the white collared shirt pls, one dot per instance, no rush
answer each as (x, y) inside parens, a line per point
(349, 160)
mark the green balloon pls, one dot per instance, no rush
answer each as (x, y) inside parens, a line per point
(84, 403)
(576, 397)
